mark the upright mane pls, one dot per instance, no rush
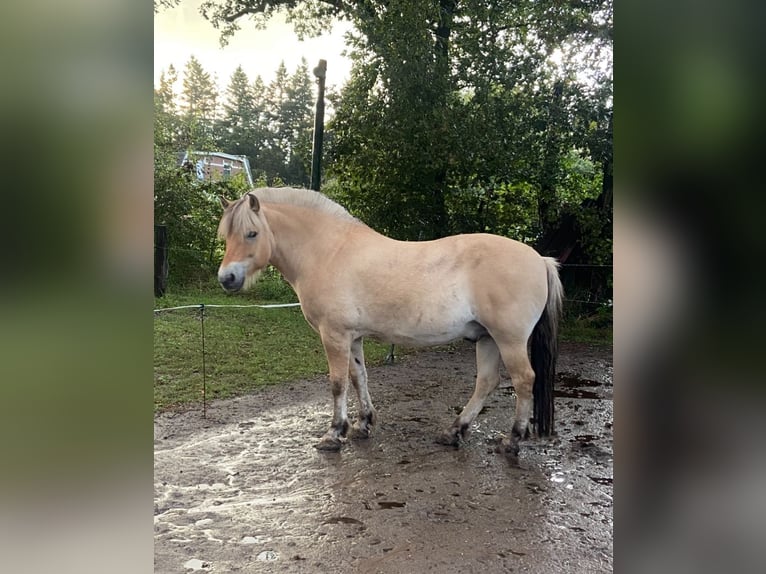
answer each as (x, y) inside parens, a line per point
(238, 214)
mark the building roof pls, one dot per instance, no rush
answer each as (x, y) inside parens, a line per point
(184, 156)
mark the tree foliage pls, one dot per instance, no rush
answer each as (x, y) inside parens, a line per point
(454, 110)
(489, 115)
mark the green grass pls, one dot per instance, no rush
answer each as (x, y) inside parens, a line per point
(244, 348)
(593, 326)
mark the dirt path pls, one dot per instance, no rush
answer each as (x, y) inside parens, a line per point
(245, 491)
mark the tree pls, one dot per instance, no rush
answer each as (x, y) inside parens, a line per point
(166, 124)
(288, 114)
(240, 130)
(296, 125)
(465, 116)
(198, 106)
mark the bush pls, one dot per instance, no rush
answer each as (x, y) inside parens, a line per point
(190, 209)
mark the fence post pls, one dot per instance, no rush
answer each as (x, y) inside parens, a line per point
(160, 260)
(204, 379)
(316, 154)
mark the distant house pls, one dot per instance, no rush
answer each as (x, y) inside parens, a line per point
(215, 165)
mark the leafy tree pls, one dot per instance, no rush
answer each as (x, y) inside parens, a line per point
(463, 116)
(190, 210)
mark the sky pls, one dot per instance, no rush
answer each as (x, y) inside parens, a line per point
(181, 32)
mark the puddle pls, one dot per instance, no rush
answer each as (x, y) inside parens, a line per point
(196, 564)
(342, 520)
(571, 386)
(585, 439)
(602, 480)
(386, 505)
(568, 379)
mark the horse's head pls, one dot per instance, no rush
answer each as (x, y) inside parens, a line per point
(248, 242)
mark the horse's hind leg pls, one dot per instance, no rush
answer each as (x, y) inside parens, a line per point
(517, 363)
(337, 349)
(358, 374)
(487, 377)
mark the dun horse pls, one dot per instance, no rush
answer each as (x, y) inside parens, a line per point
(353, 282)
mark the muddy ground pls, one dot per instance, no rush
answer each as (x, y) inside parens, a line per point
(243, 490)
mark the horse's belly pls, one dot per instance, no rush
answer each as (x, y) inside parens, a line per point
(423, 335)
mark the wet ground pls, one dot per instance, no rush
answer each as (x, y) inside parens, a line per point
(243, 490)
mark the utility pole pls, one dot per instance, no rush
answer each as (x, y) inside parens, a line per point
(316, 155)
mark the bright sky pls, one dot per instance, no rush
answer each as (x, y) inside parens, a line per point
(181, 32)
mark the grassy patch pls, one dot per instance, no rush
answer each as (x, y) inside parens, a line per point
(244, 348)
(590, 326)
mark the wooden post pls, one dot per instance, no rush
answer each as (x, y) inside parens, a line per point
(316, 154)
(160, 260)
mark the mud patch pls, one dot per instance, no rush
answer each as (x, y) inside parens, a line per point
(244, 490)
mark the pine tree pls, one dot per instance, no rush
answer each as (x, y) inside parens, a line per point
(198, 106)
(275, 151)
(297, 125)
(166, 123)
(238, 125)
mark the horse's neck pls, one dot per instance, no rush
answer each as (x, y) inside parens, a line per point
(302, 237)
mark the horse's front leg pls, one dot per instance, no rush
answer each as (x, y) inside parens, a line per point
(337, 349)
(358, 373)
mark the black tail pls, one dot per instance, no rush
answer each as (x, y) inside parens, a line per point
(545, 352)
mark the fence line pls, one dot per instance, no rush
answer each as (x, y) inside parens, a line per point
(283, 305)
(204, 305)
(607, 302)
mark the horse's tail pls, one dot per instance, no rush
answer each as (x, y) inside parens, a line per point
(545, 351)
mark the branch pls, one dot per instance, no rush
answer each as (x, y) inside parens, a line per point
(229, 15)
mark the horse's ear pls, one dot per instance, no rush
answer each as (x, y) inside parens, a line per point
(224, 202)
(254, 205)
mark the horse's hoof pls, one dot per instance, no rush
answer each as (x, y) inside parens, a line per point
(329, 444)
(448, 438)
(360, 432)
(509, 447)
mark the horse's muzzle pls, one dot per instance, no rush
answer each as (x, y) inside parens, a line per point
(231, 282)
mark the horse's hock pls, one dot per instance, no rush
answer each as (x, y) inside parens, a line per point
(244, 488)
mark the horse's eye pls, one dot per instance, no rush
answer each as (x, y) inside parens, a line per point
(251, 234)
